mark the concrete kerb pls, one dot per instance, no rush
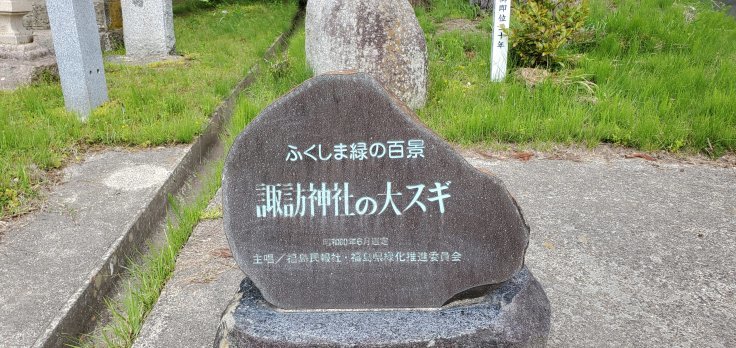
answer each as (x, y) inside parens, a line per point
(77, 315)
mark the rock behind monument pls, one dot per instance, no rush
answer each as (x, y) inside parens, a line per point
(379, 37)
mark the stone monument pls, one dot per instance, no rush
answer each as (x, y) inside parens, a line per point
(148, 29)
(78, 54)
(22, 61)
(379, 37)
(358, 226)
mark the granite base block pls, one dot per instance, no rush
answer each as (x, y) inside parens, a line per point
(23, 64)
(514, 314)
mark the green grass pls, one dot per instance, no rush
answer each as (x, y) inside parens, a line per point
(159, 104)
(148, 276)
(279, 76)
(661, 82)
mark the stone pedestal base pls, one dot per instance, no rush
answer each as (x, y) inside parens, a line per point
(513, 314)
(23, 64)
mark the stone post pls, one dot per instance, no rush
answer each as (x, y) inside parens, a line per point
(500, 40)
(21, 60)
(148, 29)
(78, 53)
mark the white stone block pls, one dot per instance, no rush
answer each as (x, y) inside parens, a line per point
(148, 28)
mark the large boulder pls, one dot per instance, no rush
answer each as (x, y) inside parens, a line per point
(379, 37)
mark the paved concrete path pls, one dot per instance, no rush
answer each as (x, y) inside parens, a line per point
(630, 252)
(48, 258)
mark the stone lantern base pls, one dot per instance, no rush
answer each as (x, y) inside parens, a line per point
(23, 64)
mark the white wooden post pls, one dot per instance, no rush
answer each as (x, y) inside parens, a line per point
(500, 41)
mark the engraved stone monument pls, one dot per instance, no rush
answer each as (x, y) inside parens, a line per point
(358, 226)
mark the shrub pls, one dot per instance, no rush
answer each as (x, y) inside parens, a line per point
(541, 28)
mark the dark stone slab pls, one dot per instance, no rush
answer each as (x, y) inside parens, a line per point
(514, 314)
(358, 249)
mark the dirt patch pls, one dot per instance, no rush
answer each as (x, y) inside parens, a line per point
(604, 152)
(532, 76)
(206, 255)
(459, 24)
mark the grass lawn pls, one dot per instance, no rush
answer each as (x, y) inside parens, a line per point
(152, 105)
(664, 75)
